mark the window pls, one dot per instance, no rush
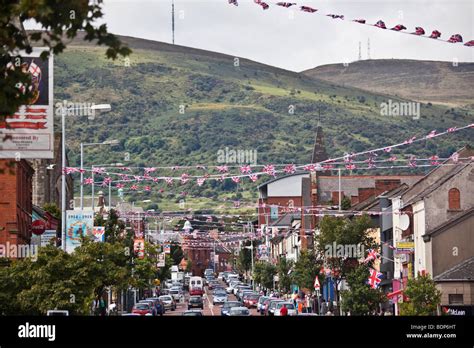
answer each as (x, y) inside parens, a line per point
(454, 199)
(456, 299)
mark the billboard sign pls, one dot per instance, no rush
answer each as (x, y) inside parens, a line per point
(139, 247)
(29, 133)
(161, 260)
(167, 249)
(47, 236)
(99, 233)
(78, 224)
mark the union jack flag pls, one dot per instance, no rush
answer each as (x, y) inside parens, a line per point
(286, 4)
(374, 278)
(372, 255)
(380, 24)
(308, 9)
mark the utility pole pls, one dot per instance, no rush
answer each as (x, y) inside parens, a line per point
(340, 193)
(368, 48)
(360, 50)
(172, 18)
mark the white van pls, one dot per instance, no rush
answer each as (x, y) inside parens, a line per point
(196, 286)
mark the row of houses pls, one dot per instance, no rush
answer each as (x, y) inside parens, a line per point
(423, 223)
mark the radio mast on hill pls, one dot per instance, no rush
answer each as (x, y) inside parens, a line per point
(172, 18)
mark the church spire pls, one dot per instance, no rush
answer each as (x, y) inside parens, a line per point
(319, 150)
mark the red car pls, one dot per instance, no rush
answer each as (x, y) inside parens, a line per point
(142, 309)
(251, 300)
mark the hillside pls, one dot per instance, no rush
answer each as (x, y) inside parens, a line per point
(424, 81)
(240, 107)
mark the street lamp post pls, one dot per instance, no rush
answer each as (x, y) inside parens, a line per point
(100, 107)
(63, 179)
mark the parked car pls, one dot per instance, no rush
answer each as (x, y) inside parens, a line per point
(195, 302)
(212, 284)
(220, 276)
(239, 288)
(225, 309)
(239, 312)
(243, 292)
(272, 306)
(219, 297)
(232, 277)
(177, 294)
(232, 285)
(208, 272)
(142, 308)
(192, 313)
(251, 300)
(159, 305)
(152, 306)
(260, 303)
(289, 306)
(169, 302)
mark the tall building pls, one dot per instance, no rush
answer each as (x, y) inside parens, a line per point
(15, 202)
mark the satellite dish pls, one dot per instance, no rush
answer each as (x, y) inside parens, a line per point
(404, 221)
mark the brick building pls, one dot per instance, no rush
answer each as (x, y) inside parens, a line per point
(15, 202)
(47, 178)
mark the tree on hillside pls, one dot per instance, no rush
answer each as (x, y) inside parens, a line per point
(423, 297)
(60, 21)
(361, 299)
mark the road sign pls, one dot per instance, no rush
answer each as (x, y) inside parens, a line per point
(317, 286)
(38, 227)
(161, 260)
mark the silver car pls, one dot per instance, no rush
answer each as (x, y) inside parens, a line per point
(168, 302)
(219, 297)
(239, 312)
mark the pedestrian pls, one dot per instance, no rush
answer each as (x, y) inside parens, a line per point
(284, 311)
(294, 297)
(300, 306)
(308, 304)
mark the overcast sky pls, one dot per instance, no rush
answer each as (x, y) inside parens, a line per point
(295, 40)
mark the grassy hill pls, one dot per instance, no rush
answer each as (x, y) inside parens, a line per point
(424, 81)
(240, 107)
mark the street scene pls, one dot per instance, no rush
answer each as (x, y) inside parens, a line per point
(216, 158)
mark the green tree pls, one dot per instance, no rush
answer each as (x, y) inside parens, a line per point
(53, 209)
(189, 266)
(244, 261)
(284, 276)
(306, 268)
(361, 299)
(176, 253)
(341, 233)
(423, 297)
(60, 21)
(263, 274)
